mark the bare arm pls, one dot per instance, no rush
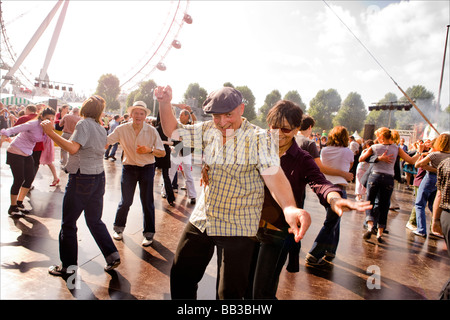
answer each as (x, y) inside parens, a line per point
(348, 176)
(436, 222)
(156, 152)
(70, 146)
(168, 121)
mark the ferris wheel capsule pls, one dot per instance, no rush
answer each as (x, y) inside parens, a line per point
(161, 66)
(176, 44)
(187, 18)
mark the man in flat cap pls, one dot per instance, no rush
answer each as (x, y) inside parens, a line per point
(141, 143)
(241, 158)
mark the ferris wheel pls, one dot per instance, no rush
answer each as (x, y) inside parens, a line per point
(152, 60)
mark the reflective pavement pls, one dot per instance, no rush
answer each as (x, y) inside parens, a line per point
(404, 267)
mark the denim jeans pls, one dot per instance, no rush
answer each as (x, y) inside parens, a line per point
(426, 193)
(328, 238)
(379, 187)
(113, 149)
(84, 192)
(131, 176)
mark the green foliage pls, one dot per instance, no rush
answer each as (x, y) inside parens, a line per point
(144, 93)
(323, 107)
(269, 102)
(109, 89)
(295, 97)
(351, 114)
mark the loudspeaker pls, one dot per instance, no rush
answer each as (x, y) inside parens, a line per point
(369, 131)
(53, 103)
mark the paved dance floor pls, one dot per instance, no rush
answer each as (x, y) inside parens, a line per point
(405, 267)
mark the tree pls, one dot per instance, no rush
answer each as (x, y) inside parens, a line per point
(323, 107)
(249, 101)
(108, 88)
(295, 97)
(144, 93)
(423, 99)
(272, 98)
(351, 114)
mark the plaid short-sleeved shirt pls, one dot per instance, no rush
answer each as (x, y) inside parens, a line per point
(443, 183)
(231, 204)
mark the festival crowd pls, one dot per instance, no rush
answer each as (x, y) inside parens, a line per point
(249, 211)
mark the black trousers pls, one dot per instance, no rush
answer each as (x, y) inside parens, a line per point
(194, 252)
(22, 169)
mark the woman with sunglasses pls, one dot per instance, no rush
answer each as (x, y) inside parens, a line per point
(85, 187)
(284, 121)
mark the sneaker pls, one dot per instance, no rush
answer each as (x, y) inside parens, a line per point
(312, 261)
(15, 211)
(417, 233)
(22, 209)
(118, 235)
(112, 265)
(193, 201)
(147, 241)
(410, 226)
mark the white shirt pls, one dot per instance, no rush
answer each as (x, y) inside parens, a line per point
(125, 135)
(338, 158)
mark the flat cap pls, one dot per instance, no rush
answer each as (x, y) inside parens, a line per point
(222, 100)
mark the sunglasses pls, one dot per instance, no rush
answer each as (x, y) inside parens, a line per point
(284, 130)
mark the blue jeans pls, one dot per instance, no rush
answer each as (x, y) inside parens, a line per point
(328, 238)
(379, 187)
(84, 192)
(113, 149)
(426, 193)
(131, 176)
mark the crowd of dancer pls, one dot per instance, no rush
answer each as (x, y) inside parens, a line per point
(249, 211)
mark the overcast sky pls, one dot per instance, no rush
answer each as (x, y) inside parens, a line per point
(266, 45)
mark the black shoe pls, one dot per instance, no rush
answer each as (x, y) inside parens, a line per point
(380, 240)
(22, 209)
(367, 235)
(112, 265)
(193, 201)
(113, 158)
(14, 211)
(106, 158)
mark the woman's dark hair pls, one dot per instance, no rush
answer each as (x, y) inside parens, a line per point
(285, 109)
(46, 111)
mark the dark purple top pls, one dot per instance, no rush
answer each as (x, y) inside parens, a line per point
(300, 169)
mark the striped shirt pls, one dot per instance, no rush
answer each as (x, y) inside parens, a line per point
(232, 202)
